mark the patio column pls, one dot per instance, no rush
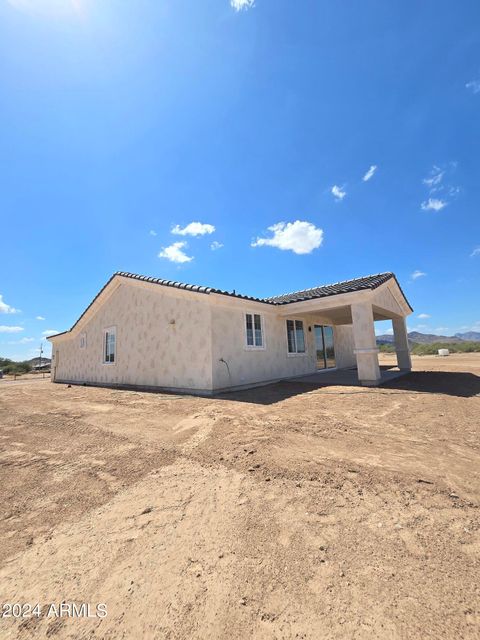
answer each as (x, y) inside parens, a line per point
(401, 343)
(366, 350)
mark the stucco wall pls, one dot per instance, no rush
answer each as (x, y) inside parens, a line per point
(344, 345)
(150, 350)
(174, 338)
(386, 297)
(247, 366)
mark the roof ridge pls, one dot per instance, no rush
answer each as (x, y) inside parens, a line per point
(188, 287)
(168, 283)
(328, 290)
(332, 284)
(206, 289)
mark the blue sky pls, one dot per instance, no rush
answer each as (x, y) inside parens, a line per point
(311, 141)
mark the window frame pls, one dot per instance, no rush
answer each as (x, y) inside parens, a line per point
(254, 347)
(106, 331)
(296, 353)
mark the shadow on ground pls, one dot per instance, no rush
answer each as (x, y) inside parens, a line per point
(452, 383)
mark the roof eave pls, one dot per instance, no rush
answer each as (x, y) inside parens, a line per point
(272, 302)
(56, 335)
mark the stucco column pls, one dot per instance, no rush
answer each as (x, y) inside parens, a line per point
(401, 343)
(366, 350)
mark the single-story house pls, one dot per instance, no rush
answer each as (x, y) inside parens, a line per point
(159, 334)
(41, 367)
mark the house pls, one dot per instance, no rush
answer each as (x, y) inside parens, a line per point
(39, 362)
(42, 367)
(159, 334)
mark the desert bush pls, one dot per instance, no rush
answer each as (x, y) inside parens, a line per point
(10, 367)
(386, 348)
(418, 349)
(453, 347)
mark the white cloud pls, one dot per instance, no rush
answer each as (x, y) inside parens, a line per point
(50, 332)
(435, 177)
(6, 308)
(423, 316)
(8, 329)
(152, 232)
(299, 236)
(420, 327)
(435, 183)
(39, 318)
(216, 245)
(473, 85)
(175, 253)
(440, 329)
(22, 341)
(338, 193)
(475, 252)
(240, 5)
(418, 274)
(370, 173)
(474, 327)
(193, 229)
(433, 204)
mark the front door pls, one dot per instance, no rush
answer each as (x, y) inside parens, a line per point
(324, 347)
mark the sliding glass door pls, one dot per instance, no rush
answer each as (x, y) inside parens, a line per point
(325, 347)
(329, 347)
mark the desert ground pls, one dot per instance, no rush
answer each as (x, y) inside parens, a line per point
(288, 511)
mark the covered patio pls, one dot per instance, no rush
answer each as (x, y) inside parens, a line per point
(347, 377)
(352, 312)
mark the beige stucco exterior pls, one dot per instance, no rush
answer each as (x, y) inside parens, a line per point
(247, 366)
(163, 339)
(172, 338)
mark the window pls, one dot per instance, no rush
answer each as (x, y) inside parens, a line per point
(109, 346)
(254, 331)
(295, 336)
(83, 340)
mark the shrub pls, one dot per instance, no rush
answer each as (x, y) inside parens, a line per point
(453, 347)
(10, 367)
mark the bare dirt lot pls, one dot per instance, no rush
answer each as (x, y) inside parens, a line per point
(288, 511)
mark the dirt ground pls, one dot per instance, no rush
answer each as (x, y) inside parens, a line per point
(288, 511)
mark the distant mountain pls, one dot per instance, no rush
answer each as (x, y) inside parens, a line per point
(428, 338)
(469, 335)
(385, 339)
(34, 361)
(415, 337)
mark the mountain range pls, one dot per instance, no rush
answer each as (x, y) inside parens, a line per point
(469, 335)
(428, 338)
(35, 361)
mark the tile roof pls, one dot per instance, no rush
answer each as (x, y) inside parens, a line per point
(347, 286)
(188, 287)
